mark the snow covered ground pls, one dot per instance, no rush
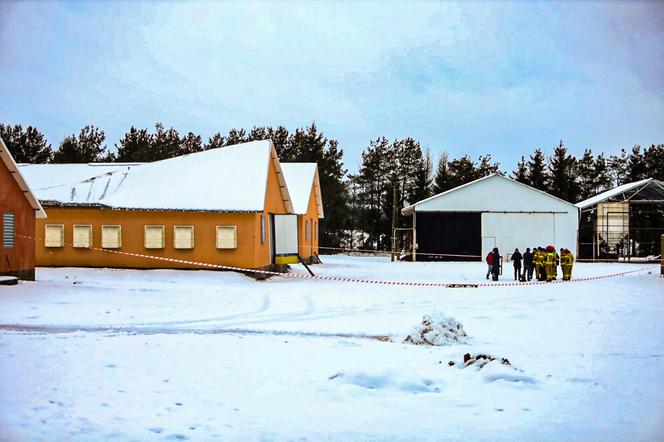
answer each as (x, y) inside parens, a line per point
(100, 354)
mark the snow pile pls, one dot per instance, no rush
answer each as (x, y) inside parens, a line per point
(437, 329)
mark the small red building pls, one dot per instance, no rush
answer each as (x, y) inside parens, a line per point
(18, 210)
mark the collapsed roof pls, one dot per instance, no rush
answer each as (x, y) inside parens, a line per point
(227, 179)
(648, 190)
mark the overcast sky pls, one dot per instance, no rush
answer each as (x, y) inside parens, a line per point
(499, 78)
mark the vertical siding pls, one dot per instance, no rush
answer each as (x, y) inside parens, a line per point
(20, 259)
(308, 246)
(274, 203)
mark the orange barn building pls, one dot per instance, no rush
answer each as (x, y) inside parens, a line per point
(218, 206)
(18, 209)
(304, 185)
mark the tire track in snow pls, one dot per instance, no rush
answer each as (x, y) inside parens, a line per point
(114, 330)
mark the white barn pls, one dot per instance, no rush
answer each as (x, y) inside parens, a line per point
(494, 211)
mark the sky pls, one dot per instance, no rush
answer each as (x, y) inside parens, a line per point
(463, 78)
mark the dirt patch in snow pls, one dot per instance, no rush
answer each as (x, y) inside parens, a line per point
(479, 360)
(437, 329)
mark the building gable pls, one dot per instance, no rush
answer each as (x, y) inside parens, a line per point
(493, 193)
(10, 168)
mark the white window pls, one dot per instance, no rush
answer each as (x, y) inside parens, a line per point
(263, 230)
(154, 237)
(183, 237)
(226, 237)
(54, 235)
(8, 230)
(82, 236)
(111, 237)
(306, 230)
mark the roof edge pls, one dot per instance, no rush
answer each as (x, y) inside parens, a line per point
(14, 170)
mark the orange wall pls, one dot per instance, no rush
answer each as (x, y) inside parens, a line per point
(308, 247)
(133, 236)
(20, 259)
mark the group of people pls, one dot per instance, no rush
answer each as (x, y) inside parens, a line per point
(543, 262)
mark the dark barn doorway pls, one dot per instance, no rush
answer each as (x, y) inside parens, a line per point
(449, 232)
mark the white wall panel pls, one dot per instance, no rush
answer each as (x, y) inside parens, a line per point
(285, 227)
(522, 230)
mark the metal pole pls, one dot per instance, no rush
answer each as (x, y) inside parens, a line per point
(414, 235)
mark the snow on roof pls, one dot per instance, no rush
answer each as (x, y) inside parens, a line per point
(611, 193)
(14, 170)
(74, 183)
(231, 178)
(302, 179)
(409, 209)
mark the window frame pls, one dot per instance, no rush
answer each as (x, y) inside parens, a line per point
(119, 246)
(145, 236)
(219, 246)
(62, 236)
(193, 236)
(73, 231)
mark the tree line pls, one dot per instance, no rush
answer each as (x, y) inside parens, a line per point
(392, 173)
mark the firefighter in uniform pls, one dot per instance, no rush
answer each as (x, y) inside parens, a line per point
(551, 263)
(567, 262)
(539, 264)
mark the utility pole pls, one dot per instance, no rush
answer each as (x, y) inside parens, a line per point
(394, 220)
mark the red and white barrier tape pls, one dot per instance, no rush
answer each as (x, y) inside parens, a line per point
(351, 280)
(386, 252)
(456, 255)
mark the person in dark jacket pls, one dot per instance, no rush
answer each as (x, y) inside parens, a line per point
(495, 269)
(516, 259)
(528, 264)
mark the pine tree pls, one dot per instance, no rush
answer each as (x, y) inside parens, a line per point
(521, 172)
(165, 143)
(423, 179)
(618, 168)
(26, 146)
(654, 161)
(636, 169)
(281, 140)
(236, 137)
(215, 141)
(191, 143)
(462, 170)
(486, 167)
(258, 134)
(586, 175)
(371, 183)
(537, 176)
(602, 176)
(136, 145)
(441, 181)
(88, 147)
(308, 145)
(561, 182)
